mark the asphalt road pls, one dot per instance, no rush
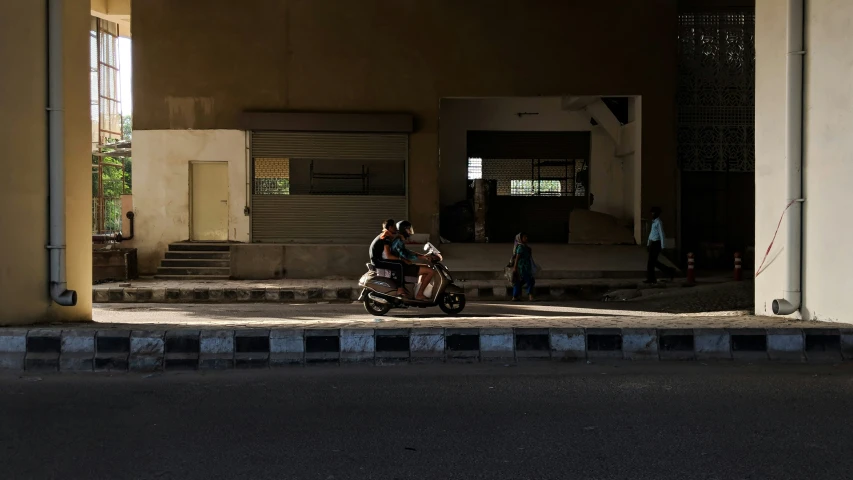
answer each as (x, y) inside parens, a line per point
(541, 421)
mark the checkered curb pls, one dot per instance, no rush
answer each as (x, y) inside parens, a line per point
(473, 291)
(84, 350)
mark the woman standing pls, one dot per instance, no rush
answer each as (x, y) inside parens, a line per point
(522, 268)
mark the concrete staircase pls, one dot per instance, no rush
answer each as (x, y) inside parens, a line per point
(196, 261)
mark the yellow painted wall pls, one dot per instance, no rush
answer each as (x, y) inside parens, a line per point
(24, 272)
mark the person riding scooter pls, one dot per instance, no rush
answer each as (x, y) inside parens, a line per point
(382, 257)
(399, 250)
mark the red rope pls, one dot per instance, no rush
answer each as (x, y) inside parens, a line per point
(769, 247)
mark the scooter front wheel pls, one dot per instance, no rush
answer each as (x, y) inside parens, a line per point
(375, 308)
(452, 303)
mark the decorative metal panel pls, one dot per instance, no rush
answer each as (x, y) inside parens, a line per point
(716, 91)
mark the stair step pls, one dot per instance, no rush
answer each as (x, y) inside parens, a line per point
(192, 277)
(198, 255)
(193, 262)
(205, 271)
(200, 247)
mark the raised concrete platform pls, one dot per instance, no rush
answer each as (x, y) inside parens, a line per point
(468, 261)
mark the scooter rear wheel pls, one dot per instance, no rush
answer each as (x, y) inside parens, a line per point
(452, 304)
(375, 308)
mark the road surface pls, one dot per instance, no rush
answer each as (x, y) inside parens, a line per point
(540, 421)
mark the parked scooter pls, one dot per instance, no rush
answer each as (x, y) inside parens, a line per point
(379, 293)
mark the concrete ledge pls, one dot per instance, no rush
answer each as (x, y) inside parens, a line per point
(182, 349)
(112, 350)
(287, 347)
(497, 344)
(77, 351)
(147, 349)
(216, 349)
(712, 344)
(357, 345)
(567, 343)
(786, 344)
(639, 344)
(252, 348)
(13, 349)
(43, 350)
(115, 350)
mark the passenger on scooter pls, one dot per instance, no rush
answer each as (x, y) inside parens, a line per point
(398, 248)
(382, 257)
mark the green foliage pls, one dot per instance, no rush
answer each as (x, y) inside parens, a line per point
(126, 127)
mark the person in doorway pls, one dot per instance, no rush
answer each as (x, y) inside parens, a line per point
(655, 245)
(522, 268)
(399, 250)
(381, 256)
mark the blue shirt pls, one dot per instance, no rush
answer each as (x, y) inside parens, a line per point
(398, 248)
(656, 234)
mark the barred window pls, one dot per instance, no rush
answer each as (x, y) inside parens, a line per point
(535, 187)
(475, 168)
(272, 176)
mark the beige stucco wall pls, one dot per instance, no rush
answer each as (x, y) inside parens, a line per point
(460, 115)
(161, 195)
(770, 179)
(24, 272)
(827, 150)
(404, 56)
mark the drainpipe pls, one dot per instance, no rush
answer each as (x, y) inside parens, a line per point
(792, 295)
(59, 292)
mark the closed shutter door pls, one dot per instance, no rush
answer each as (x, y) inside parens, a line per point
(289, 214)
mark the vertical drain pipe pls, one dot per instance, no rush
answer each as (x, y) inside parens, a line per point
(792, 295)
(59, 292)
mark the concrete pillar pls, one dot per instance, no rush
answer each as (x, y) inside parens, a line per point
(24, 272)
(771, 17)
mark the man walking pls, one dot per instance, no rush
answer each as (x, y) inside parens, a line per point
(656, 242)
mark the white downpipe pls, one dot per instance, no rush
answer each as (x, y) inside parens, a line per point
(59, 292)
(792, 295)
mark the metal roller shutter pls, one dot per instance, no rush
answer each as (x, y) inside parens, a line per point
(279, 217)
(322, 218)
(343, 146)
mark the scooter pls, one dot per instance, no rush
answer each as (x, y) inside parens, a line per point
(379, 293)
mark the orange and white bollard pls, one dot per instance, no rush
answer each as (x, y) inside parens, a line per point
(738, 267)
(691, 272)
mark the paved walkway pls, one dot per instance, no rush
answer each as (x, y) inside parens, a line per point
(476, 315)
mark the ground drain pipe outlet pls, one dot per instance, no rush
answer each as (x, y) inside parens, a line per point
(792, 295)
(59, 291)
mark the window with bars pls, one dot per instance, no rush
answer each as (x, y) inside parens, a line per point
(271, 176)
(530, 177)
(536, 187)
(475, 168)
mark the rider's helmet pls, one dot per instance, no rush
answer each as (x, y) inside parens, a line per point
(404, 227)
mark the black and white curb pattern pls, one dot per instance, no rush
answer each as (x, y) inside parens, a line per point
(473, 291)
(83, 350)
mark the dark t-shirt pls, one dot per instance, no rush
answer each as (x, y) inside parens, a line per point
(377, 247)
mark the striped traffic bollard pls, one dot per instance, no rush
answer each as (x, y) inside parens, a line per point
(691, 272)
(738, 268)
